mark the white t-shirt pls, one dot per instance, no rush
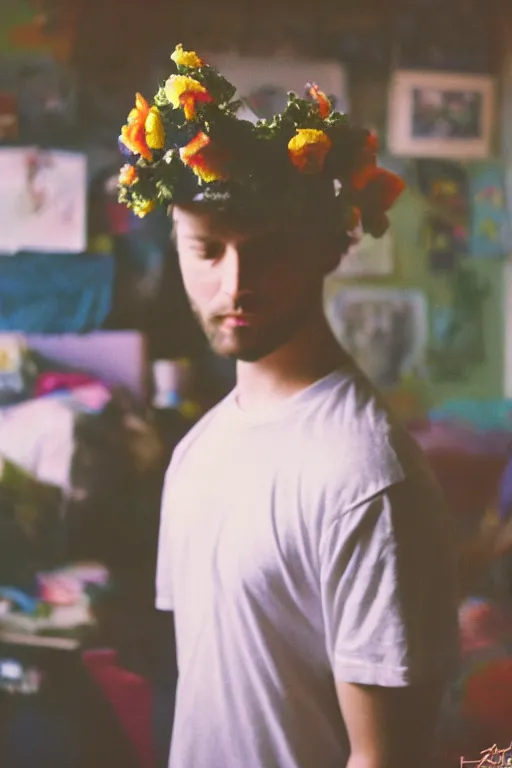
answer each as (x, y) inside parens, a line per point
(300, 545)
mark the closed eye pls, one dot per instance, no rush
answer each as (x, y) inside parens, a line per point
(206, 250)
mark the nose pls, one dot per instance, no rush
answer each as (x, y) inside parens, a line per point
(231, 272)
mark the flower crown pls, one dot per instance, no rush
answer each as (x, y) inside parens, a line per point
(189, 145)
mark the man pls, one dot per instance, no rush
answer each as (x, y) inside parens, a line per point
(304, 547)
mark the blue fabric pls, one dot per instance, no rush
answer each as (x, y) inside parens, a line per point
(55, 293)
(482, 415)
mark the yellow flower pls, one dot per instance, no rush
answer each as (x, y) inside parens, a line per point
(188, 59)
(204, 158)
(155, 135)
(308, 149)
(183, 91)
(142, 208)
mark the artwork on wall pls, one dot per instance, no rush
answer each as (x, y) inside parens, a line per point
(458, 342)
(445, 185)
(42, 201)
(385, 329)
(263, 83)
(489, 220)
(433, 114)
(369, 257)
(445, 243)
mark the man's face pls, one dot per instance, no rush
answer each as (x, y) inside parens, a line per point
(252, 291)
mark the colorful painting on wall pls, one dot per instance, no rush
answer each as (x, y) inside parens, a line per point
(385, 329)
(445, 243)
(42, 201)
(490, 225)
(445, 185)
(441, 115)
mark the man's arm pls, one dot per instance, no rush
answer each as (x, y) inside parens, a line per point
(388, 597)
(390, 727)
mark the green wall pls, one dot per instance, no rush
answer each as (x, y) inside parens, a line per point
(486, 379)
(368, 99)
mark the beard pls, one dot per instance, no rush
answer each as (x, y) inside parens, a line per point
(252, 343)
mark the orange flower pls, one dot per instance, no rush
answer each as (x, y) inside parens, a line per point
(144, 129)
(127, 175)
(308, 148)
(323, 103)
(367, 167)
(202, 157)
(383, 189)
(133, 134)
(184, 91)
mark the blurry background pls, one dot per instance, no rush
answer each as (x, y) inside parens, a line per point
(102, 368)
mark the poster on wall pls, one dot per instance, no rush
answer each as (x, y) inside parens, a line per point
(384, 329)
(445, 242)
(489, 220)
(263, 83)
(42, 201)
(439, 114)
(445, 185)
(369, 257)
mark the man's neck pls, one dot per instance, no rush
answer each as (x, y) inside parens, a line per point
(301, 362)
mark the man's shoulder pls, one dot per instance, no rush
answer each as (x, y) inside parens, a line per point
(367, 448)
(196, 432)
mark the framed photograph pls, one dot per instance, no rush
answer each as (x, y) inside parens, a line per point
(370, 257)
(440, 115)
(263, 83)
(42, 200)
(384, 329)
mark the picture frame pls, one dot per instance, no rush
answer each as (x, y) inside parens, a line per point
(386, 330)
(43, 200)
(440, 115)
(263, 83)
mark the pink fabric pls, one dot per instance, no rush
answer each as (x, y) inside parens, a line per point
(130, 697)
(50, 382)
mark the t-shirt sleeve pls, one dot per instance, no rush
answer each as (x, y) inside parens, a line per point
(164, 595)
(388, 589)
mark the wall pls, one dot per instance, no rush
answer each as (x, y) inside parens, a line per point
(369, 102)
(484, 380)
(115, 52)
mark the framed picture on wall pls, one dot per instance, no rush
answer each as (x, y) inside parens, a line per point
(439, 114)
(43, 200)
(384, 329)
(263, 83)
